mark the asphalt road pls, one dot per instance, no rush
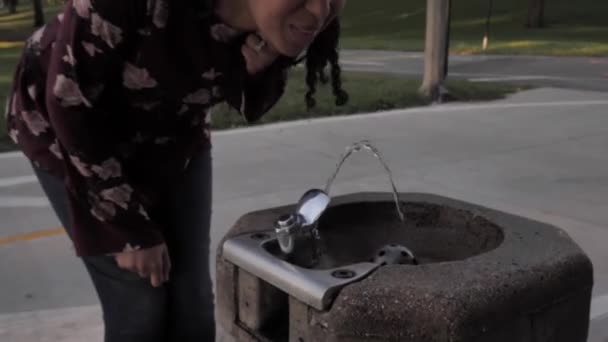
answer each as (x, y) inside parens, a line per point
(581, 73)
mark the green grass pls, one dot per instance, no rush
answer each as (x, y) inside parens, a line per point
(18, 26)
(368, 93)
(578, 28)
(8, 59)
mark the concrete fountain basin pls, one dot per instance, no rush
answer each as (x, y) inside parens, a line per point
(483, 275)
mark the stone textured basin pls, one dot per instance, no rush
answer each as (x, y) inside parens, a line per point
(355, 232)
(484, 275)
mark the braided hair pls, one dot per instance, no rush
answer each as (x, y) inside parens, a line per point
(324, 51)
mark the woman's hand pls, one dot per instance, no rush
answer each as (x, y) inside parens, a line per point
(153, 263)
(258, 55)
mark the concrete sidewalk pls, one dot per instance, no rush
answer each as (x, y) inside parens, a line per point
(540, 154)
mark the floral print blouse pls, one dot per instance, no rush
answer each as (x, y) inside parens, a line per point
(112, 96)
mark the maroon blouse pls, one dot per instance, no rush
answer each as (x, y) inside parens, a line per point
(113, 96)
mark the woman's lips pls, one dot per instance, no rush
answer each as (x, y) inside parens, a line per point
(302, 36)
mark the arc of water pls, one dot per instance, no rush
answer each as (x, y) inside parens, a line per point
(366, 145)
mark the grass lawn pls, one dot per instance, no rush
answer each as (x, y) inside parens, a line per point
(367, 93)
(573, 28)
(8, 59)
(16, 27)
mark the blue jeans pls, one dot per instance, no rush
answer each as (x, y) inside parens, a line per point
(183, 309)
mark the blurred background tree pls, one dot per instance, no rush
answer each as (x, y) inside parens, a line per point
(536, 14)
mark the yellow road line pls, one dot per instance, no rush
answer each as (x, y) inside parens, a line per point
(8, 45)
(39, 234)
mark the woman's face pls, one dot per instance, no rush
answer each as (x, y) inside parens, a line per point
(290, 26)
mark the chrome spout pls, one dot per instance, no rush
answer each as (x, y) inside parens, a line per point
(308, 211)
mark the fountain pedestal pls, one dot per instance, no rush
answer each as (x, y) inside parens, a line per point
(485, 275)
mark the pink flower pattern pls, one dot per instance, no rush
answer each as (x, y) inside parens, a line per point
(110, 168)
(137, 78)
(36, 37)
(69, 56)
(102, 210)
(201, 97)
(161, 13)
(82, 168)
(143, 213)
(36, 123)
(69, 92)
(211, 74)
(120, 195)
(55, 151)
(90, 48)
(83, 8)
(223, 33)
(110, 34)
(184, 109)
(32, 92)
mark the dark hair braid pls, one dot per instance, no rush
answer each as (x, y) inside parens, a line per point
(324, 51)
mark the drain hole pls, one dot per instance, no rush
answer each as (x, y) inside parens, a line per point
(343, 274)
(260, 236)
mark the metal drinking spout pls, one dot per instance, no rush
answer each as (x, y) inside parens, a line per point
(308, 211)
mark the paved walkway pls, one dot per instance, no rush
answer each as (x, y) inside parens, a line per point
(540, 154)
(583, 73)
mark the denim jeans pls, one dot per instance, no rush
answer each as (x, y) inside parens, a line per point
(181, 310)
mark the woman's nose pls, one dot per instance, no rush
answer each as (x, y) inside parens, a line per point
(319, 8)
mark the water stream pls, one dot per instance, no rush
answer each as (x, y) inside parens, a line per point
(366, 145)
(363, 145)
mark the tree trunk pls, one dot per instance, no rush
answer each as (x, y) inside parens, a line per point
(435, 51)
(536, 14)
(38, 13)
(12, 6)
